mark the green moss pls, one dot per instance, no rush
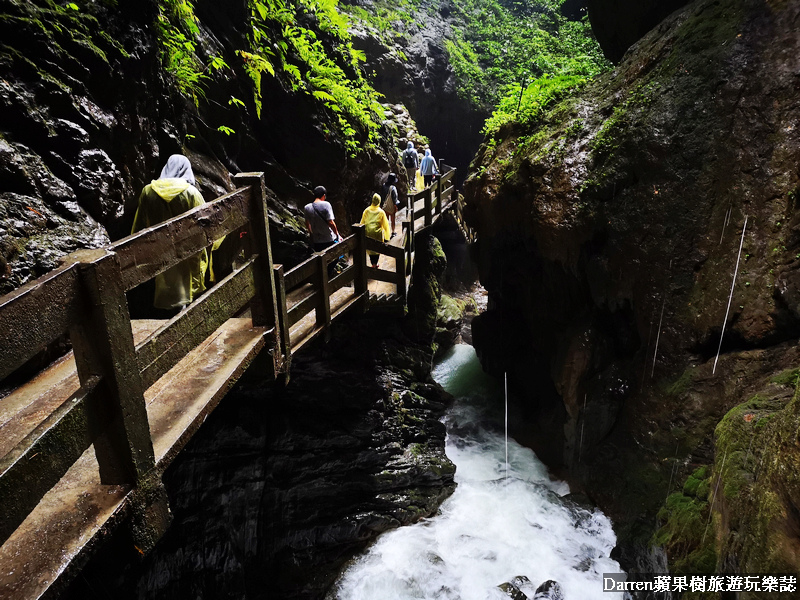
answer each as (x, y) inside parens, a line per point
(683, 533)
(789, 377)
(450, 309)
(694, 481)
(678, 386)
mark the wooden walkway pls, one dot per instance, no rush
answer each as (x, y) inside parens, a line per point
(83, 445)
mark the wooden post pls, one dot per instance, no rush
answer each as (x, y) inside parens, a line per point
(283, 320)
(360, 263)
(439, 197)
(428, 207)
(264, 308)
(400, 271)
(103, 346)
(324, 304)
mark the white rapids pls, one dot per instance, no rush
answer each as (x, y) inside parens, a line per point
(493, 528)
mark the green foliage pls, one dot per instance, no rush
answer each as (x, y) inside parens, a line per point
(502, 48)
(325, 66)
(387, 18)
(177, 29)
(527, 105)
(316, 58)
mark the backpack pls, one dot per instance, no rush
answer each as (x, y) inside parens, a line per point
(408, 157)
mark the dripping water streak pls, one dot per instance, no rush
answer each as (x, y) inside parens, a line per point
(733, 284)
(674, 465)
(506, 396)
(583, 423)
(744, 463)
(647, 351)
(658, 334)
(714, 497)
(725, 224)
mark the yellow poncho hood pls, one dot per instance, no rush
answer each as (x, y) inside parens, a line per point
(169, 188)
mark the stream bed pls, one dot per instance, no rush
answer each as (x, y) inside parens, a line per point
(499, 523)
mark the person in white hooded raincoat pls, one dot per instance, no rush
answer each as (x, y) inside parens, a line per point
(172, 194)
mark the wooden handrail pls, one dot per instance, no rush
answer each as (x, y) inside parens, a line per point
(86, 297)
(151, 251)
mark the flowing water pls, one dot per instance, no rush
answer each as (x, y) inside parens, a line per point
(499, 523)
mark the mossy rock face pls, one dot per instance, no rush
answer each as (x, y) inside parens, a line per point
(685, 533)
(757, 462)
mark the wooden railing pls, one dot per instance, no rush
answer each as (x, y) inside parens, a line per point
(85, 298)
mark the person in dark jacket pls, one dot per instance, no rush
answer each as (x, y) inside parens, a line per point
(411, 164)
(391, 201)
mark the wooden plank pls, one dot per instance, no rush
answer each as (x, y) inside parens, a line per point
(307, 331)
(167, 346)
(428, 207)
(36, 314)
(302, 308)
(351, 303)
(301, 273)
(348, 244)
(383, 275)
(180, 401)
(342, 279)
(400, 275)
(151, 251)
(382, 248)
(36, 464)
(47, 550)
(395, 252)
(79, 511)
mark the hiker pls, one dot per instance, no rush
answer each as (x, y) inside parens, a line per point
(172, 194)
(428, 168)
(411, 163)
(376, 226)
(321, 224)
(391, 202)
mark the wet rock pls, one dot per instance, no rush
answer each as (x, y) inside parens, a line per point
(549, 590)
(618, 24)
(524, 585)
(511, 591)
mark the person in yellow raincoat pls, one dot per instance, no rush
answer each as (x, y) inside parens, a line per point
(172, 194)
(376, 224)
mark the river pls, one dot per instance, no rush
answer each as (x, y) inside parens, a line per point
(497, 525)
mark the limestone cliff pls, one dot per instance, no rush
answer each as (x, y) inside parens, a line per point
(609, 235)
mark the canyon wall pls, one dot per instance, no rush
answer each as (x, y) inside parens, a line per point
(609, 236)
